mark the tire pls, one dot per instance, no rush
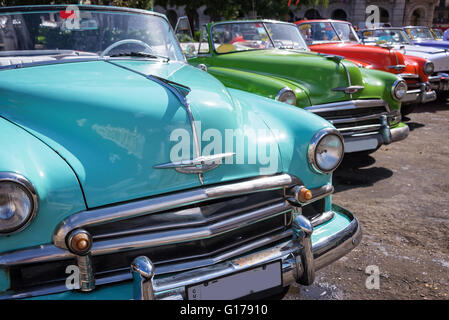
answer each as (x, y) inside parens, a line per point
(407, 109)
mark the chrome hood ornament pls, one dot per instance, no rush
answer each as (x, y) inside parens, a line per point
(197, 165)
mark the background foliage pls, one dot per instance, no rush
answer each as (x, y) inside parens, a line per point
(216, 9)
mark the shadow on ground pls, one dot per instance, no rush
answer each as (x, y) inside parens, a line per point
(431, 107)
(355, 172)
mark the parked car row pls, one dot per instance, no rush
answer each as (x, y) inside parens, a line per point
(126, 172)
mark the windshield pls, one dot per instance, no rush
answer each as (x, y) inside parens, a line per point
(321, 32)
(240, 36)
(419, 33)
(286, 36)
(391, 36)
(82, 31)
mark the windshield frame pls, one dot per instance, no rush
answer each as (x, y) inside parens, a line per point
(263, 22)
(331, 22)
(94, 8)
(437, 33)
(408, 41)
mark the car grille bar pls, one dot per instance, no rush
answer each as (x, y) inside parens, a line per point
(354, 116)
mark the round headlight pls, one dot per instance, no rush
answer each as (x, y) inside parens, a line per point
(326, 150)
(17, 203)
(399, 89)
(429, 67)
(286, 95)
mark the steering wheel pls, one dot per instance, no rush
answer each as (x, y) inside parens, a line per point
(122, 42)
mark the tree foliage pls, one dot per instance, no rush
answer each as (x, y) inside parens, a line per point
(216, 9)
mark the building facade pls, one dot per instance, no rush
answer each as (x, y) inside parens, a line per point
(395, 12)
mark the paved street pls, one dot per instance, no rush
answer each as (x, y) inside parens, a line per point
(401, 196)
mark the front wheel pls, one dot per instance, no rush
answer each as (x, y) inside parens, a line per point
(408, 108)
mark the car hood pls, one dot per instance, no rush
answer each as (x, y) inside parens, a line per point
(112, 125)
(318, 75)
(439, 57)
(366, 54)
(432, 43)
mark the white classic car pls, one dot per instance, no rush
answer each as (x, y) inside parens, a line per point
(396, 38)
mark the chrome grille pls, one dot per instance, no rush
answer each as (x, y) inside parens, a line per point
(352, 117)
(179, 231)
(228, 222)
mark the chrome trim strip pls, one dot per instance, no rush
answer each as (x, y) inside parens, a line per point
(408, 75)
(361, 128)
(28, 187)
(435, 78)
(320, 193)
(165, 202)
(398, 66)
(322, 218)
(43, 253)
(346, 105)
(363, 118)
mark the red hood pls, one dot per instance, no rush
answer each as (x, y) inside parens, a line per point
(372, 57)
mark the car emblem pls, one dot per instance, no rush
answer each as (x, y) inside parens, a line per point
(196, 165)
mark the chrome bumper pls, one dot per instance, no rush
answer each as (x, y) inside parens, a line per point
(372, 141)
(419, 96)
(398, 134)
(440, 82)
(299, 261)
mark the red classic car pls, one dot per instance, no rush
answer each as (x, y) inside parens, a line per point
(339, 38)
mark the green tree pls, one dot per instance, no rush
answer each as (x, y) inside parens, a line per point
(215, 9)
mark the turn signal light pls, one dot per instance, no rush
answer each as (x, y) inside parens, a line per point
(304, 195)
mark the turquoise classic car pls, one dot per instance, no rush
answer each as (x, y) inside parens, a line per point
(271, 59)
(127, 173)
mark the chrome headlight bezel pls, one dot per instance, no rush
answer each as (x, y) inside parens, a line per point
(429, 68)
(283, 93)
(313, 146)
(29, 190)
(397, 85)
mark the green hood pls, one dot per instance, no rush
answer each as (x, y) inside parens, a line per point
(314, 73)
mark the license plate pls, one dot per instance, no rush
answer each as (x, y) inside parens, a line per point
(361, 145)
(238, 284)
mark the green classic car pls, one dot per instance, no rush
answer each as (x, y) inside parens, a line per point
(127, 173)
(271, 59)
